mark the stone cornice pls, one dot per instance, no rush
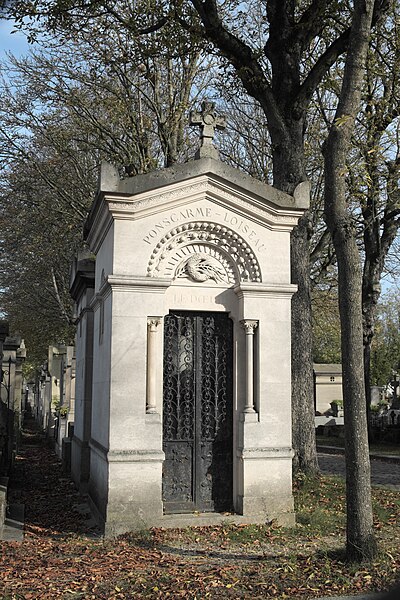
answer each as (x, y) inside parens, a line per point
(98, 448)
(82, 277)
(252, 290)
(136, 456)
(126, 283)
(205, 187)
(100, 222)
(128, 455)
(146, 285)
(269, 452)
(101, 295)
(111, 182)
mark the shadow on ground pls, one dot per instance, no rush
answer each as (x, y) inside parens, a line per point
(53, 507)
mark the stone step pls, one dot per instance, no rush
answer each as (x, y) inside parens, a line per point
(13, 528)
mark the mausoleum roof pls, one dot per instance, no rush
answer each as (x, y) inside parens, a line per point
(110, 183)
(326, 368)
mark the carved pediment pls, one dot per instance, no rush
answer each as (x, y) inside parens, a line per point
(204, 252)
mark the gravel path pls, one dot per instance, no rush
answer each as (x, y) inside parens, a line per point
(383, 473)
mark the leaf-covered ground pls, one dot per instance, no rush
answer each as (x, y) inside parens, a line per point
(62, 557)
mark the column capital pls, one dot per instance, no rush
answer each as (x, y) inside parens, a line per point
(153, 322)
(249, 325)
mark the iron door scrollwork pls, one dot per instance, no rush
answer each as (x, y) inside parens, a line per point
(197, 412)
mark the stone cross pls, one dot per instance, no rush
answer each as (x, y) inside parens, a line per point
(208, 121)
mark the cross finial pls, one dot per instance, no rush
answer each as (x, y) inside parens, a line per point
(208, 121)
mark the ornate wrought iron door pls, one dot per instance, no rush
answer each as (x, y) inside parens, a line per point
(197, 412)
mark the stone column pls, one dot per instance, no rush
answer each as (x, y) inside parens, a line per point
(152, 328)
(249, 326)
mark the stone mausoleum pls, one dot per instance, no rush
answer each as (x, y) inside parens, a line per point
(183, 387)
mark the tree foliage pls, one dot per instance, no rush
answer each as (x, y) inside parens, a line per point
(326, 326)
(44, 197)
(64, 108)
(385, 356)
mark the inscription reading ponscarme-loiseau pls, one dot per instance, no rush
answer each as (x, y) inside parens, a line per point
(239, 224)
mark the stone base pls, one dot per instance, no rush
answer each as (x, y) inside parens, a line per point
(271, 509)
(131, 515)
(135, 517)
(113, 528)
(125, 491)
(210, 519)
(124, 518)
(125, 494)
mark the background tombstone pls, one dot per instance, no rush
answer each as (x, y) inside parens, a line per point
(191, 407)
(13, 355)
(6, 422)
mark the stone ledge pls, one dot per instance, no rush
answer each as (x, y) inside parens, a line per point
(140, 456)
(127, 455)
(209, 519)
(260, 453)
(13, 528)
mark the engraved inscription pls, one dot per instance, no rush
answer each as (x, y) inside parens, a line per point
(245, 228)
(238, 223)
(177, 217)
(197, 299)
(281, 219)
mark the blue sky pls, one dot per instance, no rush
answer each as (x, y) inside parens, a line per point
(11, 42)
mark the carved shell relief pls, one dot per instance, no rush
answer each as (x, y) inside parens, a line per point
(204, 252)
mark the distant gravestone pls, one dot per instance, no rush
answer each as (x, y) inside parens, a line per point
(190, 399)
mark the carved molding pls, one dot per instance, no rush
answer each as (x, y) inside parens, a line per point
(266, 453)
(152, 323)
(249, 325)
(159, 198)
(285, 218)
(226, 256)
(201, 267)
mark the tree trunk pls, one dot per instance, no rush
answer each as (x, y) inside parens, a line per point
(367, 383)
(289, 171)
(303, 421)
(373, 266)
(360, 537)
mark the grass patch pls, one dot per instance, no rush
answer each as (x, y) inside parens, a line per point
(330, 440)
(320, 504)
(247, 534)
